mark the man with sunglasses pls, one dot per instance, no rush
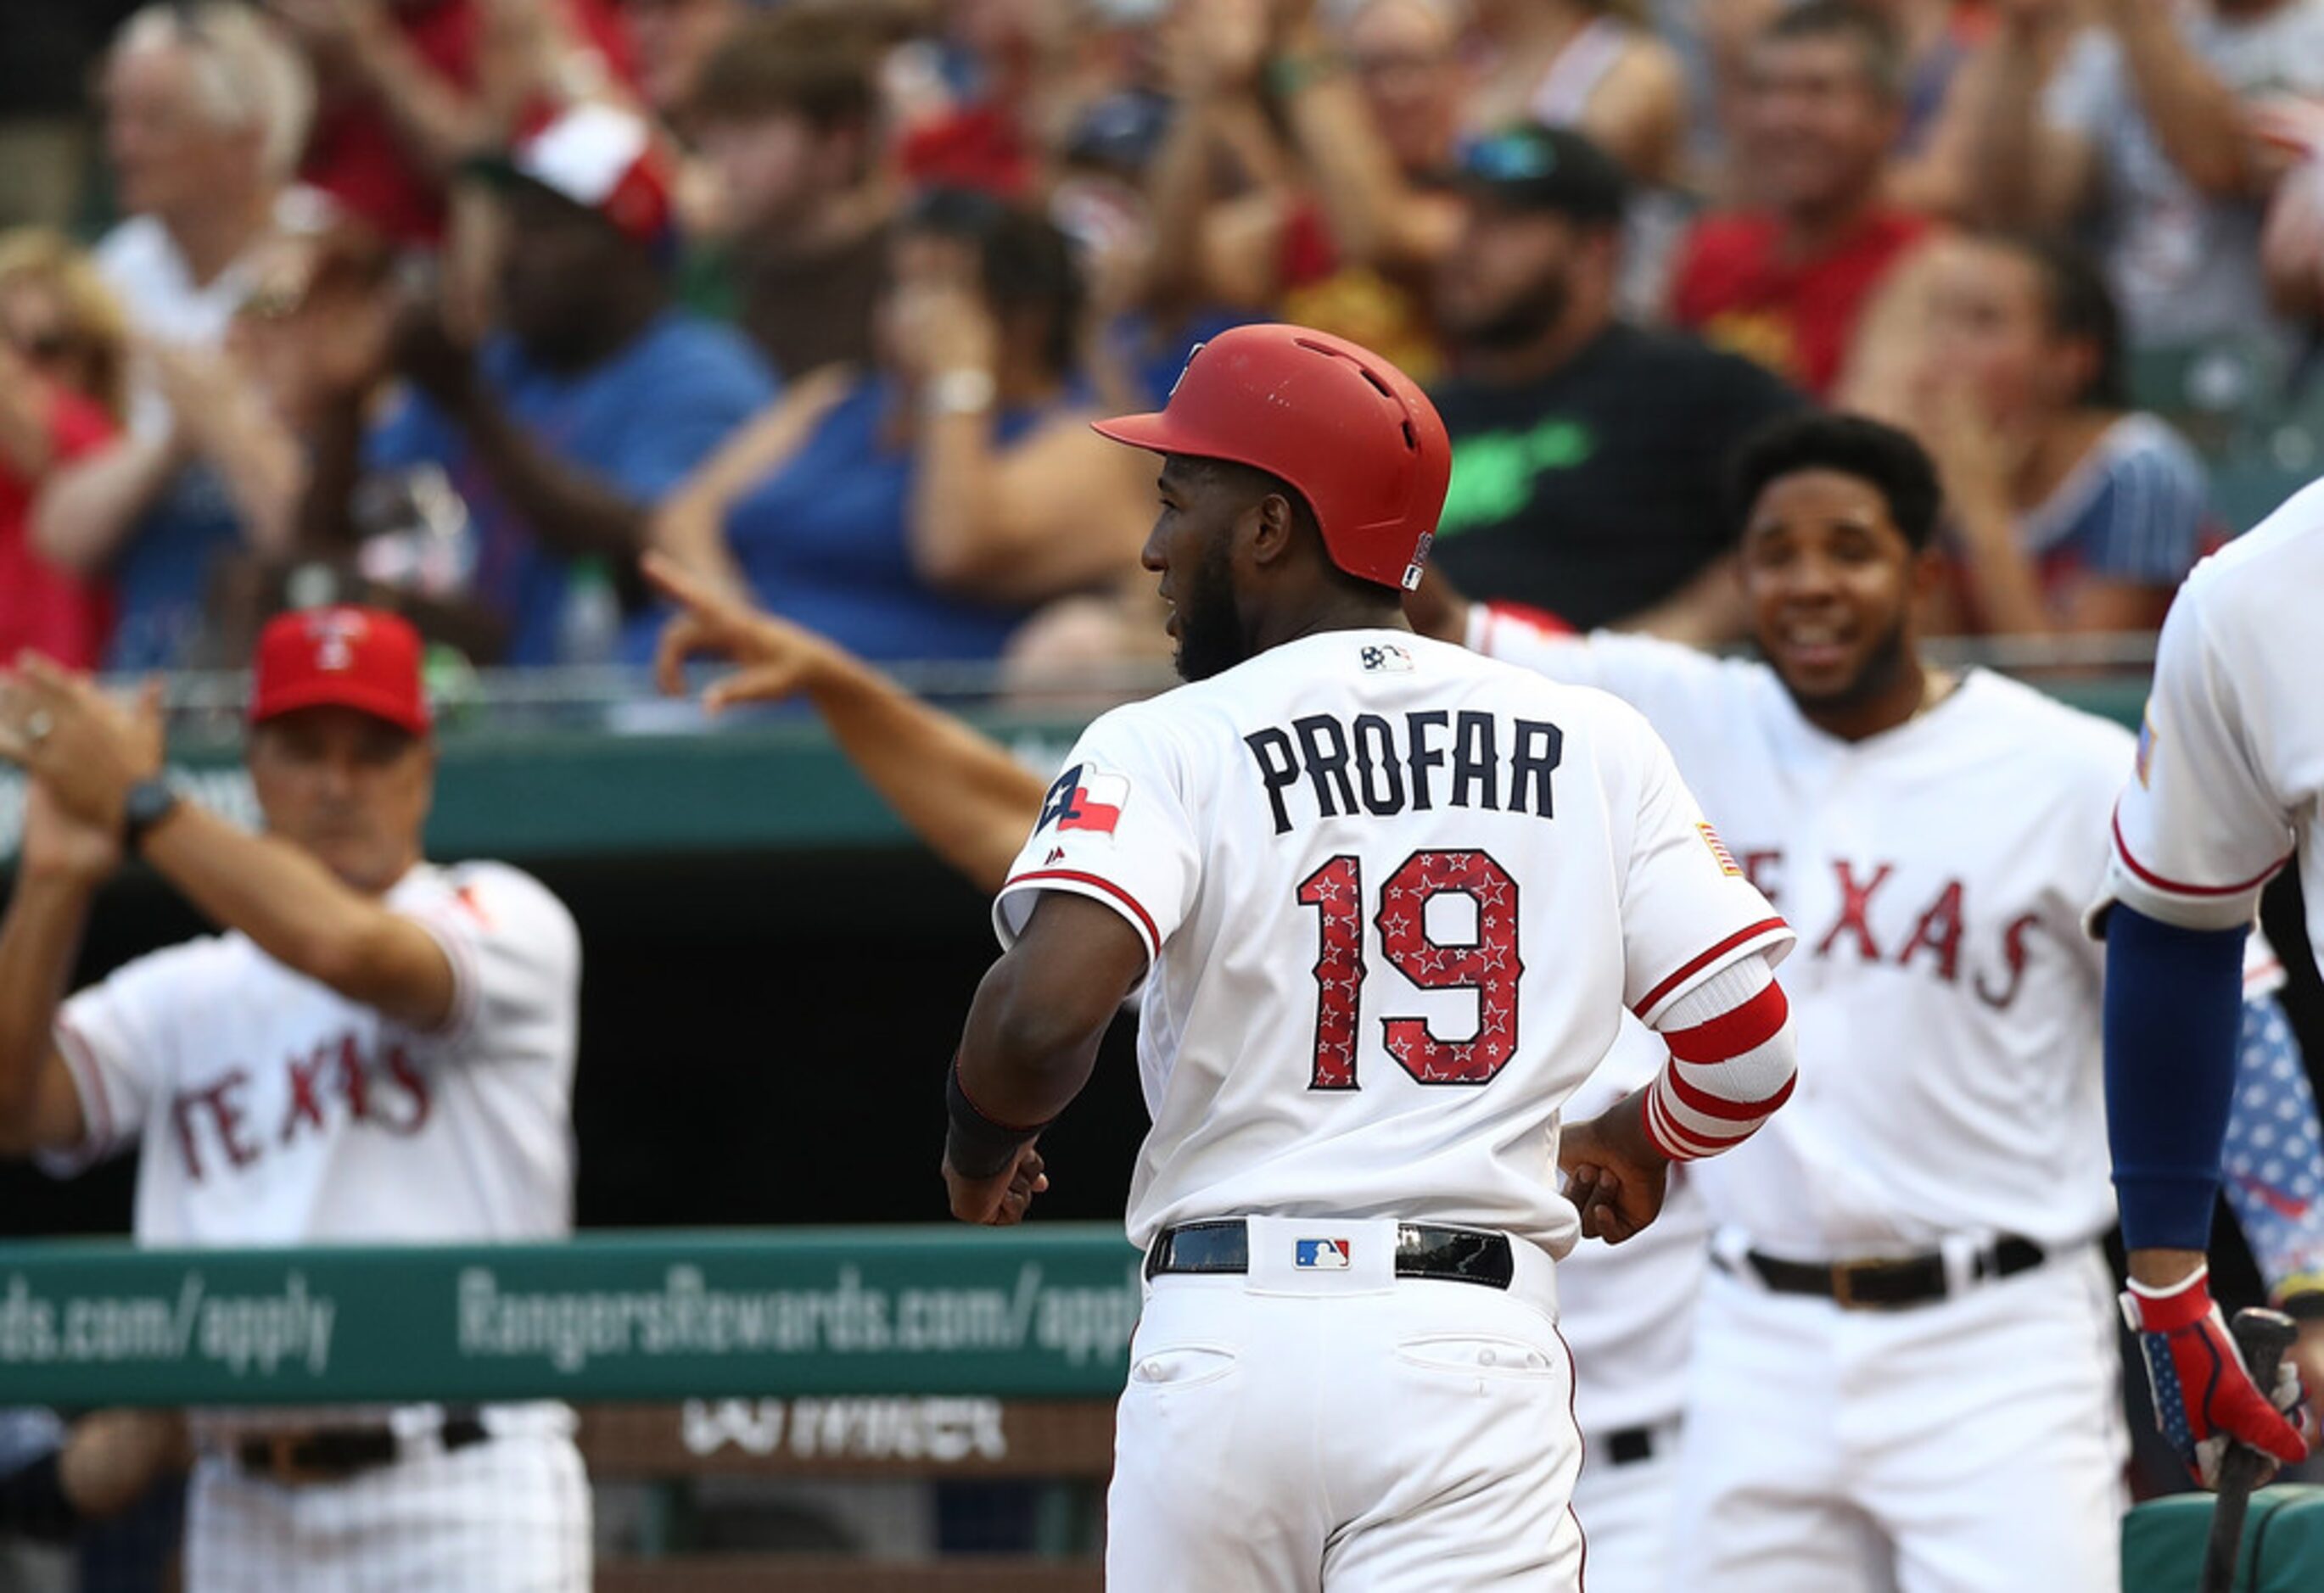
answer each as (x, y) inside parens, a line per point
(1585, 452)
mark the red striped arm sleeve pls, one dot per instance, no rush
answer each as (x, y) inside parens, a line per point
(1733, 1061)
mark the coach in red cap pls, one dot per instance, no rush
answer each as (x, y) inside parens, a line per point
(340, 756)
(380, 1051)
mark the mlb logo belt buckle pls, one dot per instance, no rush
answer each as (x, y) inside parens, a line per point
(1322, 1255)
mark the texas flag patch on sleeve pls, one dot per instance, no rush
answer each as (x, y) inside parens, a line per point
(1086, 797)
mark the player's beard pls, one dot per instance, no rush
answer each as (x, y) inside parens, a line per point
(1522, 322)
(1884, 663)
(1209, 627)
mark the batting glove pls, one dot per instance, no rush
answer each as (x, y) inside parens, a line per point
(2204, 1396)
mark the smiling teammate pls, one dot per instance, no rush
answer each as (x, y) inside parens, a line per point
(1905, 1372)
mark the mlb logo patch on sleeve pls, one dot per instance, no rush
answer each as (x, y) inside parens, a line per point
(1321, 1254)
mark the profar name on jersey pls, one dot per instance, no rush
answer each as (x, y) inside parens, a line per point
(1326, 766)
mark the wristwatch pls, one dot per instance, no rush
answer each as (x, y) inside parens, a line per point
(966, 391)
(148, 803)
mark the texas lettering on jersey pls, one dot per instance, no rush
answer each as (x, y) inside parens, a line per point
(220, 1126)
(1947, 1000)
(1937, 936)
(271, 1108)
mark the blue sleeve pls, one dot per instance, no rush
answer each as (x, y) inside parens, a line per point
(2147, 523)
(412, 432)
(2275, 1157)
(2173, 1007)
(694, 402)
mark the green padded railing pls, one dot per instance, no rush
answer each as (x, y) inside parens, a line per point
(1027, 1312)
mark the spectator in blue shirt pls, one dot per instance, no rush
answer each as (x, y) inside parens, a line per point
(923, 507)
(565, 427)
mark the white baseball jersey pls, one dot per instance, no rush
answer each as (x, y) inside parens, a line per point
(1946, 998)
(2229, 774)
(1396, 897)
(273, 1111)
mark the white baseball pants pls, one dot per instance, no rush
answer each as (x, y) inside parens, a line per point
(1291, 1431)
(1972, 1445)
(511, 1514)
(1627, 1512)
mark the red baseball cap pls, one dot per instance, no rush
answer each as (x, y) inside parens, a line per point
(602, 158)
(363, 658)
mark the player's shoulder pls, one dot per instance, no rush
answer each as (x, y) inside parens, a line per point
(2055, 750)
(1600, 725)
(1152, 726)
(171, 974)
(199, 958)
(496, 895)
(2281, 556)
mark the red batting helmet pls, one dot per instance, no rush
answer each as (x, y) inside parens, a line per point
(1355, 435)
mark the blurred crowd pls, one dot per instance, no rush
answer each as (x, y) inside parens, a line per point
(463, 305)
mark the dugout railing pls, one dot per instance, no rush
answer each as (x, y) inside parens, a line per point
(919, 1356)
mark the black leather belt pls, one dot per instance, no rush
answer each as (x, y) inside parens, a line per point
(1630, 1446)
(332, 1454)
(1891, 1283)
(1423, 1249)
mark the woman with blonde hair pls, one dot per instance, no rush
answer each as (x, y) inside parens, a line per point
(62, 356)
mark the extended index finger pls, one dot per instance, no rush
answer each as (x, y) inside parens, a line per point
(681, 638)
(684, 587)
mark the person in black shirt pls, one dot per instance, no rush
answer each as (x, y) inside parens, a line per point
(1587, 453)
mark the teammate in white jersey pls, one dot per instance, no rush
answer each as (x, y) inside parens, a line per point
(1385, 903)
(374, 1050)
(1905, 1370)
(2228, 784)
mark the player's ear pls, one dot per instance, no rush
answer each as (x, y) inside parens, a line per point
(1929, 573)
(1273, 529)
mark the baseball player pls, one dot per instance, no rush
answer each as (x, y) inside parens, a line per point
(1385, 902)
(375, 1049)
(1626, 1313)
(2227, 785)
(1905, 1370)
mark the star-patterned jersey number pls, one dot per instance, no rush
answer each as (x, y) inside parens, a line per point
(1487, 964)
(1338, 888)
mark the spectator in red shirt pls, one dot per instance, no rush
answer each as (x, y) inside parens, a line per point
(1787, 281)
(61, 341)
(410, 88)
